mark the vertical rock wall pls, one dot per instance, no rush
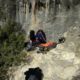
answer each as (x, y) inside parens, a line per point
(53, 16)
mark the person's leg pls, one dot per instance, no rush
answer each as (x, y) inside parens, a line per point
(29, 46)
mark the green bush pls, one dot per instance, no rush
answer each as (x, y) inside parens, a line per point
(11, 44)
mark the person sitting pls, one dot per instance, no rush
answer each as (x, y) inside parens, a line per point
(41, 37)
(32, 40)
(32, 36)
(35, 40)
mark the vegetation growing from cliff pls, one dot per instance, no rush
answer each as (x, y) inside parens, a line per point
(11, 44)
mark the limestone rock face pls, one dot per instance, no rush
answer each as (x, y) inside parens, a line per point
(58, 18)
(53, 16)
(61, 63)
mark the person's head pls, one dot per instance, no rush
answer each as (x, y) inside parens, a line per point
(40, 30)
(32, 32)
(34, 74)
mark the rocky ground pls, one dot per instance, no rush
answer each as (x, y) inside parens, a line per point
(61, 63)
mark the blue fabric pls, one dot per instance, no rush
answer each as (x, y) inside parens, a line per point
(40, 37)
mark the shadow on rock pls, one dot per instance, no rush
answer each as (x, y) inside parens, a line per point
(76, 77)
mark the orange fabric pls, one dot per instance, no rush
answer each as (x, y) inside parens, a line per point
(48, 44)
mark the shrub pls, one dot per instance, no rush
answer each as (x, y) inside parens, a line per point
(11, 44)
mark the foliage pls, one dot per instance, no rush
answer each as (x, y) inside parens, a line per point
(11, 45)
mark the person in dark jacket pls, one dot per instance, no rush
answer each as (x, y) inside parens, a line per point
(32, 36)
(41, 37)
(32, 41)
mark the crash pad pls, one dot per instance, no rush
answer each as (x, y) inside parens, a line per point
(48, 44)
